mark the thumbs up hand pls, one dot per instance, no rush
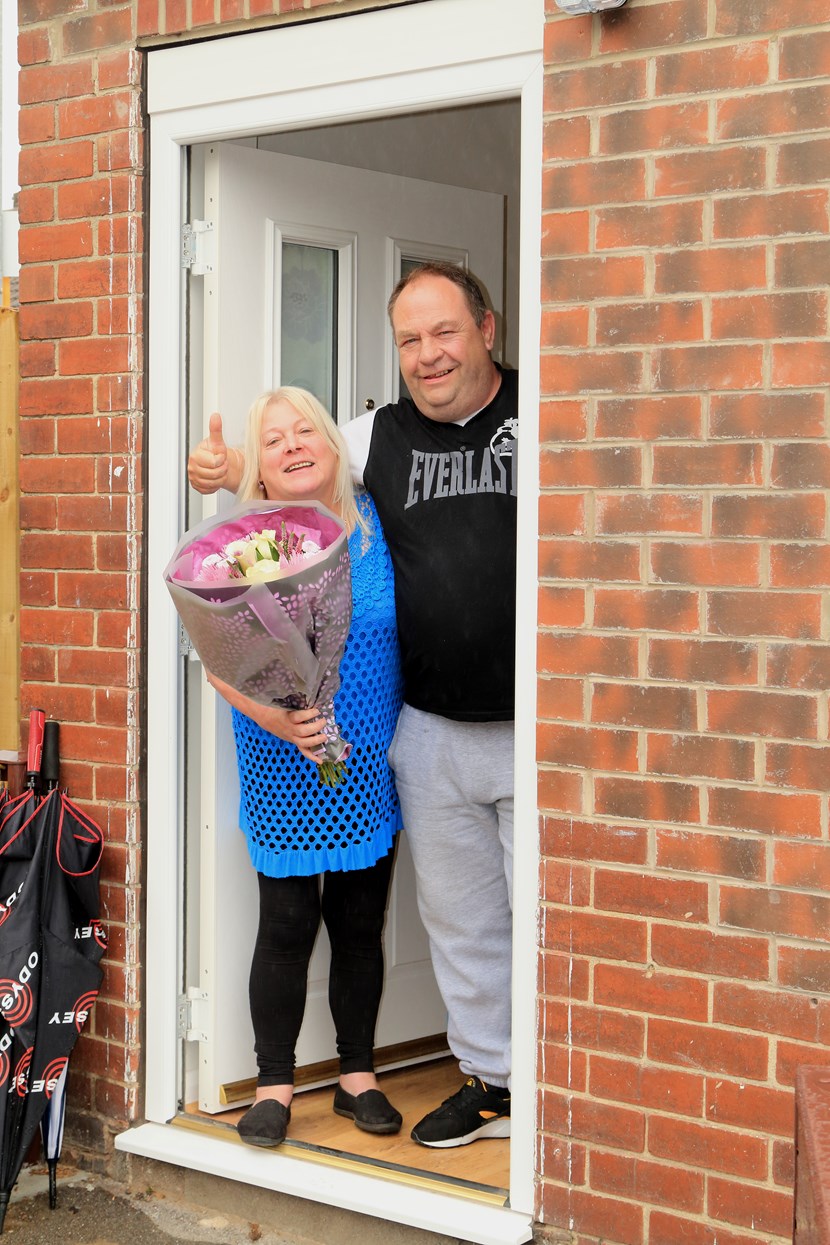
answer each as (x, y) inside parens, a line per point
(212, 464)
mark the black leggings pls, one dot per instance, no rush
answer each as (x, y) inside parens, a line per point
(353, 907)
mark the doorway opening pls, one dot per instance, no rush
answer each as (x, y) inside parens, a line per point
(310, 230)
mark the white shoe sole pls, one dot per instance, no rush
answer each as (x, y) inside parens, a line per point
(499, 1127)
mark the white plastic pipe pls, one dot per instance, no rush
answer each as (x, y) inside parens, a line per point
(588, 6)
(9, 225)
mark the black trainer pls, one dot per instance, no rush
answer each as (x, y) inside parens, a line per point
(475, 1111)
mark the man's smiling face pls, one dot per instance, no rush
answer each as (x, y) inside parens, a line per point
(444, 355)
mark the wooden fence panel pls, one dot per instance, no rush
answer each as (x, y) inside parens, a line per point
(9, 533)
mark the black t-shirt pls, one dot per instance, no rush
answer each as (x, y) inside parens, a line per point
(446, 495)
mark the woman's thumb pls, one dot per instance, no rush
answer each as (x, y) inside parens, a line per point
(216, 442)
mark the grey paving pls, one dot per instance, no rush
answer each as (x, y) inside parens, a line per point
(92, 1211)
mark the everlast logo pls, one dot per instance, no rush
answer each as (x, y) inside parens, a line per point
(456, 473)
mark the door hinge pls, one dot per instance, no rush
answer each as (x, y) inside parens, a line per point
(198, 247)
(185, 642)
(192, 1009)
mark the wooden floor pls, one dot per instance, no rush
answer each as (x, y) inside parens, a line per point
(414, 1091)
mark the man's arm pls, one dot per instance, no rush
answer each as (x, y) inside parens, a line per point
(357, 434)
(213, 464)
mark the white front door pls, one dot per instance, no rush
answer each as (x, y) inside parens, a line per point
(301, 259)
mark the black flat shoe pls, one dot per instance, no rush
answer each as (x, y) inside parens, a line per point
(372, 1111)
(265, 1124)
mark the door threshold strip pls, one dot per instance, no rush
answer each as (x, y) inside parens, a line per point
(343, 1161)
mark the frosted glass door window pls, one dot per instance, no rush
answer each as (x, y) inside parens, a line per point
(308, 347)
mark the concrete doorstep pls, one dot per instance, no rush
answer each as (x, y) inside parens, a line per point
(158, 1209)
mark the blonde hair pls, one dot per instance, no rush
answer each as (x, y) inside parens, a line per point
(306, 405)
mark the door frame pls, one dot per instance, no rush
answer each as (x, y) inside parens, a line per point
(223, 89)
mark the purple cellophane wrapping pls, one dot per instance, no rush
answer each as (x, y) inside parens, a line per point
(279, 643)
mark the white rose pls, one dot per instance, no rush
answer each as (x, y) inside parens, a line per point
(264, 548)
(263, 571)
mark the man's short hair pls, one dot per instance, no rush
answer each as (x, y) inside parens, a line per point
(451, 272)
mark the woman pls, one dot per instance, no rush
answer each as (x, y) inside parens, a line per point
(300, 832)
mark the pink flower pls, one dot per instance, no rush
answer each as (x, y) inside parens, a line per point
(216, 569)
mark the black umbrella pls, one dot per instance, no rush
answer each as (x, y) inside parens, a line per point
(51, 1123)
(51, 942)
(51, 1135)
(18, 824)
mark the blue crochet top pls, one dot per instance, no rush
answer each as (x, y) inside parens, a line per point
(293, 823)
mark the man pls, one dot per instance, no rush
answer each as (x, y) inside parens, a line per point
(440, 465)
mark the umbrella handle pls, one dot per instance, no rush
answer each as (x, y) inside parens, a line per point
(50, 764)
(37, 718)
(5, 1194)
(52, 1164)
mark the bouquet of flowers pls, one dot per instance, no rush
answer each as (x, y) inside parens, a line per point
(265, 595)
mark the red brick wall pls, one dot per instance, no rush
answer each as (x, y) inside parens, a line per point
(683, 656)
(80, 436)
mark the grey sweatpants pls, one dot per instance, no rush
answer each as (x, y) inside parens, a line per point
(455, 781)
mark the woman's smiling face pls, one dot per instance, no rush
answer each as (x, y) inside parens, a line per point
(296, 462)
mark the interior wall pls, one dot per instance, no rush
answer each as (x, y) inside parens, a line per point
(476, 147)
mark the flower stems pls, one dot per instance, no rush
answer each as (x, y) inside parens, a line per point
(332, 773)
